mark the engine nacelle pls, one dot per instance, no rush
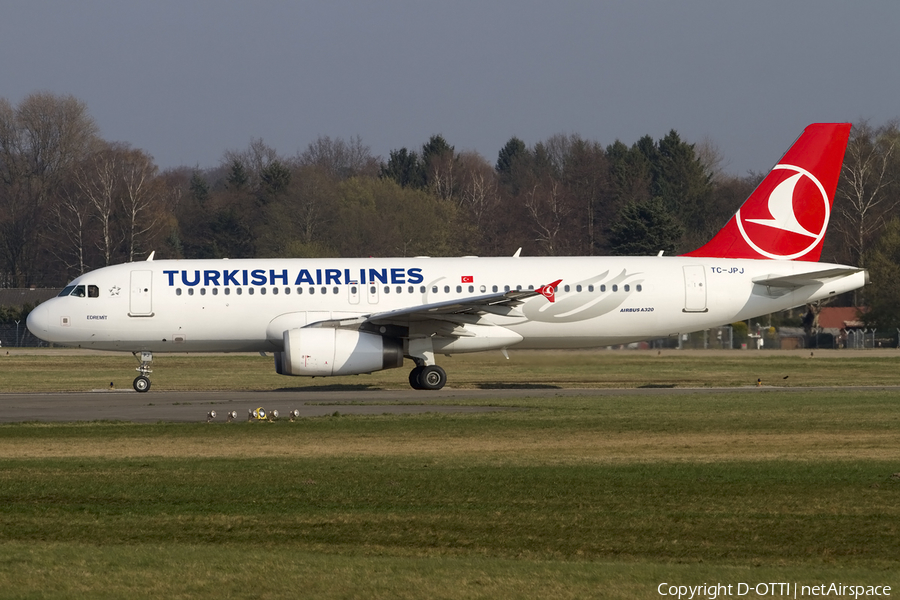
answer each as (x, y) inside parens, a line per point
(325, 351)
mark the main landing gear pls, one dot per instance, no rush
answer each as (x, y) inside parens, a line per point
(426, 375)
(142, 381)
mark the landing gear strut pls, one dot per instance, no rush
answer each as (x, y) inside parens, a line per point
(142, 381)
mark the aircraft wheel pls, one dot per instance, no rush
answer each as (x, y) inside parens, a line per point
(141, 383)
(414, 378)
(432, 378)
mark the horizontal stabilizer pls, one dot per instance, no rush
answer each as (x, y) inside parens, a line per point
(801, 279)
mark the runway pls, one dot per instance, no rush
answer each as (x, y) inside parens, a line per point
(168, 406)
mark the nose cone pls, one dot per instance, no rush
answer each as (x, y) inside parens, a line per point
(38, 322)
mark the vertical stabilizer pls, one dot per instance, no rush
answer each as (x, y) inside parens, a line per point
(785, 218)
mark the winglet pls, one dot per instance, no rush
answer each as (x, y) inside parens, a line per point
(549, 291)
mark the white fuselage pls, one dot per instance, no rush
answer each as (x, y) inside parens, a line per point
(246, 305)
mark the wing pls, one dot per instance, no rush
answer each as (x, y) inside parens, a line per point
(459, 311)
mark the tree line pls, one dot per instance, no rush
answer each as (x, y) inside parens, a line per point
(71, 201)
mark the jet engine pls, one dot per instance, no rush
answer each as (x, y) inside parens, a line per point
(324, 351)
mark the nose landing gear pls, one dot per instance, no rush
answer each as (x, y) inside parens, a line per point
(142, 381)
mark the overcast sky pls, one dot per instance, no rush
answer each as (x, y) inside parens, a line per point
(187, 80)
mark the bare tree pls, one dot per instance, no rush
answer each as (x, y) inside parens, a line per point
(340, 159)
(40, 140)
(867, 190)
(548, 211)
(478, 186)
(97, 179)
(68, 228)
(254, 160)
(141, 198)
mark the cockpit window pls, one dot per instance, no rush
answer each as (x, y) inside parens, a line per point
(66, 291)
(78, 292)
(93, 291)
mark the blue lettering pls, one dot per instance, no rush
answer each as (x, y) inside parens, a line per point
(245, 277)
(171, 275)
(398, 276)
(230, 277)
(362, 276)
(414, 275)
(210, 278)
(379, 275)
(259, 277)
(318, 276)
(304, 276)
(332, 276)
(185, 281)
(273, 276)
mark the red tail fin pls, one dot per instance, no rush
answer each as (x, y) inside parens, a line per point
(786, 216)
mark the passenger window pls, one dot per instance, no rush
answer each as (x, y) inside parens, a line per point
(422, 289)
(446, 289)
(577, 288)
(299, 290)
(250, 291)
(324, 290)
(459, 289)
(274, 291)
(353, 289)
(387, 289)
(312, 290)
(93, 291)
(240, 291)
(603, 288)
(287, 291)
(215, 291)
(639, 288)
(190, 291)
(335, 290)
(178, 292)
(627, 288)
(565, 288)
(494, 289)
(262, 291)
(615, 288)
(399, 289)
(590, 288)
(202, 291)
(227, 291)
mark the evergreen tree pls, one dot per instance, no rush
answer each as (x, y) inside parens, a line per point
(513, 150)
(644, 229)
(404, 168)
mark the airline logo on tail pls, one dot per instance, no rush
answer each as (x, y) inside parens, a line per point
(791, 208)
(785, 218)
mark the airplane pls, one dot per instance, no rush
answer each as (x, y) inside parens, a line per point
(328, 317)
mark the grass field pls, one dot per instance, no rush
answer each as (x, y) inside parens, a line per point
(72, 370)
(583, 497)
